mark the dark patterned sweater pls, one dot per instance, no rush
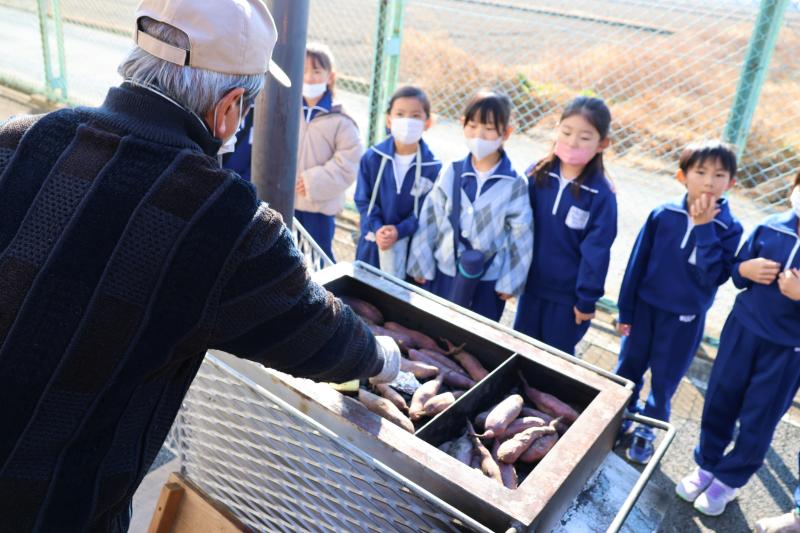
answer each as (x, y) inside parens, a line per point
(126, 253)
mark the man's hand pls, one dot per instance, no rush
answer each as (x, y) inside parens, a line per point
(760, 270)
(503, 296)
(386, 237)
(420, 281)
(391, 360)
(789, 284)
(580, 318)
(300, 188)
(624, 329)
(703, 210)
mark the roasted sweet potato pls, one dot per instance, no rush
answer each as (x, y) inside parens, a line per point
(365, 310)
(549, 403)
(523, 423)
(471, 364)
(386, 409)
(489, 466)
(539, 448)
(425, 392)
(420, 339)
(404, 342)
(423, 357)
(507, 471)
(440, 402)
(459, 381)
(511, 449)
(419, 370)
(444, 360)
(501, 416)
(393, 396)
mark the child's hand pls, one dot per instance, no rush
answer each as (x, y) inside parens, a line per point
(789, 284)
(703, 210)
(386, 237)
(503, 296)
(624, 329)
(300, 187)
(580, 318)
(760, 270)
(420, 281)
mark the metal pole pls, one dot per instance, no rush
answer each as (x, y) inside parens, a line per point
(276, 125)
(376, 95)
(44, 33)
(759, 54)
(393, 46)
(61, 81)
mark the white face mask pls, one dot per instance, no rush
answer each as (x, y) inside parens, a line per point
(795, 198)
(407, 130)
(481, 148)
(314, 90)
(230, 145)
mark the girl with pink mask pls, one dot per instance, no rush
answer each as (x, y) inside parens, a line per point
(575, 224)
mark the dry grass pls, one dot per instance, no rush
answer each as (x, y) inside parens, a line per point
(664, 91)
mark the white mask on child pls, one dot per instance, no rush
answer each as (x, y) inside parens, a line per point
(407, 130)
(481, 148)
(314, 90)
(795, 198)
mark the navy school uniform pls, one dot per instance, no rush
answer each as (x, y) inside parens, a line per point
(672, 277)
(391, 208)
(573, 235)
(757, 370)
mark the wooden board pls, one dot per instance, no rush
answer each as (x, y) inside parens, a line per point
(184, 508)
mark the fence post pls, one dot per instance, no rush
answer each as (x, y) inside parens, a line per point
(386, 62)
(51, 82)
(754, 71)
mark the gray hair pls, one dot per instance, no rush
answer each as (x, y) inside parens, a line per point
(196, 89)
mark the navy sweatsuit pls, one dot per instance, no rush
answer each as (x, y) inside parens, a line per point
(670, 283)
(574, 228)
(391, 208)
(757, 370)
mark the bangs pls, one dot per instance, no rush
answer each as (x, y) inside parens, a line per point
(489, 108)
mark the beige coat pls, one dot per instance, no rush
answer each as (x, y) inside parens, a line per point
(327, 159)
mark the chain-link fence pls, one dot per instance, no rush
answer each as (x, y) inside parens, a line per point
(671, 71)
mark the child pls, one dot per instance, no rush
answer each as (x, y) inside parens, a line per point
(683, 253)
(474, 243)
(327, 153)
(575, 223)
(394, 178)
(756, 373)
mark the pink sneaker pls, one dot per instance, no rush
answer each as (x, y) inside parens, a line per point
(715, 498)
(693, 485)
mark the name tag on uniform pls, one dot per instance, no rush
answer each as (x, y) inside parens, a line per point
(687, 318)
(577, 218)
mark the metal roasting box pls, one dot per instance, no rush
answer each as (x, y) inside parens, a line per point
(550, 487)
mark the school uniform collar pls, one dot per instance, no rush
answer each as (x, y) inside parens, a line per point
(325, 105)
(724, 218)
(386, 149)
(785, 222)
(503, 171)
(590, 184)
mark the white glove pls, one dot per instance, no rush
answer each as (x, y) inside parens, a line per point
(391, 360)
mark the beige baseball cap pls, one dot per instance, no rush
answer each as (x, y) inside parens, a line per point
(228, 36)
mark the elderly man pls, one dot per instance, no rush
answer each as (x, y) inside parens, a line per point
(126, 252)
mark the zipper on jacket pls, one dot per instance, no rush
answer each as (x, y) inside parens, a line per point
(562, 184)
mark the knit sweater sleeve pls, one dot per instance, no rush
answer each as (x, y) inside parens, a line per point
(271, 312)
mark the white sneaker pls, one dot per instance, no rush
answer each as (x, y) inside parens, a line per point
(787, 523)
(693, 485)
(715, 498)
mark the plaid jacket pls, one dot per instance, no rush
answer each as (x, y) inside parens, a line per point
(500, 222)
